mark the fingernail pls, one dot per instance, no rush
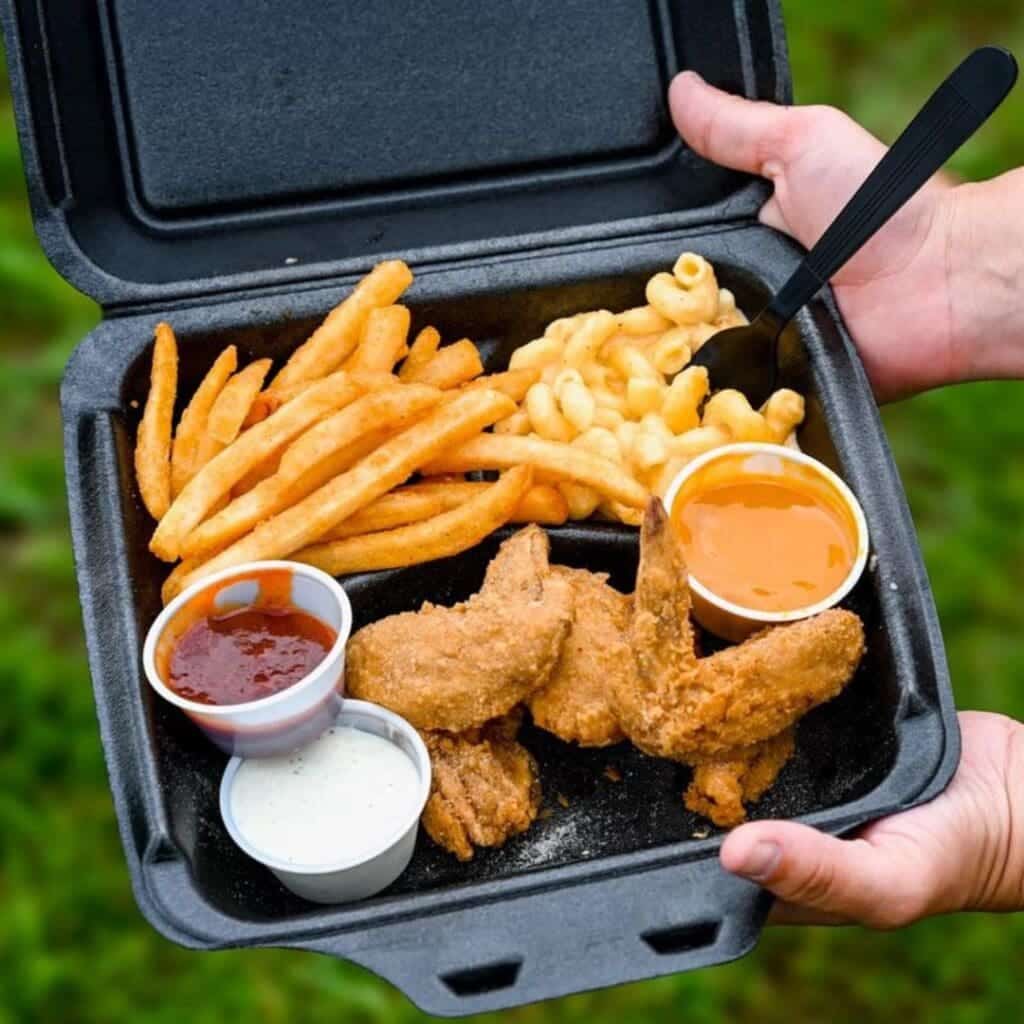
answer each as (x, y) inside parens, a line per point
(761, 861)
(690, 73)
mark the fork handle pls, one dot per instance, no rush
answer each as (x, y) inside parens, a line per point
(954, 112)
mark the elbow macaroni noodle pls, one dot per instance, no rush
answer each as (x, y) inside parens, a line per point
(620, 385)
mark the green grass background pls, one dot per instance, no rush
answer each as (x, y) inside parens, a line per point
(72, 945)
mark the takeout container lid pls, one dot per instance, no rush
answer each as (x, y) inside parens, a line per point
(284, 720)
(352, 879)
(289, 145)
(731, 621)
(520, 148)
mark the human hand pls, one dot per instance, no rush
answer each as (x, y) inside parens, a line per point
(896, 293)
(962, 851)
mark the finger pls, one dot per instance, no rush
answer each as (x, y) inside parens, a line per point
(746, 135)
(848, 879)
(771, 215)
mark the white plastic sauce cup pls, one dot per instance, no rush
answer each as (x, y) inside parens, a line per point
(355, 878)
(732, 621)
(284, 720)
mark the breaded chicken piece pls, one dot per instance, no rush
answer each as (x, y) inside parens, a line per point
(576, 704)
(484, 789)
(678, 706)
(504, 728)
(720, 788)
(455, 668)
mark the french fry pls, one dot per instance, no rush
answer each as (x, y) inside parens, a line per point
(153, 445)
(229, 412)
(514, 383)
(347, 457)
(452, 365)
(374, 412)
(370, 381)
(383, 340)
(517, 423)
(441, 536)
(301, 469)
(421, 351)
(175, 582)
(267, 402)
(271, 400)
(359, 449)
(193, 419)
(396, 508)
(260, 472)
(542, 476)
(623, 513)
(502, 451)
(329, 467)
(374, 380)
(335, 339)
(582, 501)
(395, 460)
(450, 490)
(542, 503)
(215, 480)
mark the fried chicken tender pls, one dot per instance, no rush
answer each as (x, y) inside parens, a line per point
(504, 728)
(695, 710)
(720, 788)
(456, 668)
(484, 789)
(576, 704)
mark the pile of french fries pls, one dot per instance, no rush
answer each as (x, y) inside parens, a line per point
(352, 458)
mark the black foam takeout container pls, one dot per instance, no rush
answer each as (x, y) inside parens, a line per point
(235, 172)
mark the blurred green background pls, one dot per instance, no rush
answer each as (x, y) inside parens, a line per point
(72, 945)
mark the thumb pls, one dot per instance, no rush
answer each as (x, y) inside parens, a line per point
(743, 134)
(846, 879)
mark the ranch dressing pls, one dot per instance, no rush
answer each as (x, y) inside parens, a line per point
(334, 801)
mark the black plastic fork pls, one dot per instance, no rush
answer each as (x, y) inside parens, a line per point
(747, 357)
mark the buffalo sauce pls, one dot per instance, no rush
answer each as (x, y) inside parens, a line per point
(774, 541)
(235, 654)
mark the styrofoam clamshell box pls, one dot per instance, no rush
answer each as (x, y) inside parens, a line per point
(235, 172)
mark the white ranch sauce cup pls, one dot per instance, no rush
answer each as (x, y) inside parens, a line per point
(357, 877)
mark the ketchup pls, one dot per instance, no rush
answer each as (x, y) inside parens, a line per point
(247, 654)
(239, 654)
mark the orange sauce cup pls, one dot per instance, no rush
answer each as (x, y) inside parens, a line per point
(771, 535)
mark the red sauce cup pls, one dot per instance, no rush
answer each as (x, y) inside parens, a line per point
(281, 721)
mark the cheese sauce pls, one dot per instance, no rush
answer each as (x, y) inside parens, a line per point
(777, 542)
(342, 797)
